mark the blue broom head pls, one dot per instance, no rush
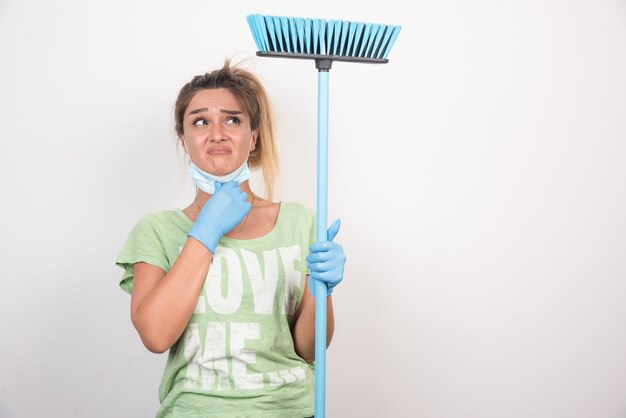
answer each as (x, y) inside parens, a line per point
(316, 38)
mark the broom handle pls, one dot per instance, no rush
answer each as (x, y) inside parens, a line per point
(322, 208)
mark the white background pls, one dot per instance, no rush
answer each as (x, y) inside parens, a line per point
(480, 177)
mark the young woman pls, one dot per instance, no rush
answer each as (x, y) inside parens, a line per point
(227, 284)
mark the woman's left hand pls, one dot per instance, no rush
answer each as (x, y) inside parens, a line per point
(326, 261)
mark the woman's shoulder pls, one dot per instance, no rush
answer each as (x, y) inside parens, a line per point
(162, 219)
(294, 209)
(160, 216)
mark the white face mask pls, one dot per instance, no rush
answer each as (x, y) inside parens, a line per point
(206, 181)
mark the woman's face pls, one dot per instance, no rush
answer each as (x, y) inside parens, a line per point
(217, 132)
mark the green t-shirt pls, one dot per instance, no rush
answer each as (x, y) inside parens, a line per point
(236, 358)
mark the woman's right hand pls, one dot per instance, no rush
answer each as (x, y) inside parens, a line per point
(222, 212)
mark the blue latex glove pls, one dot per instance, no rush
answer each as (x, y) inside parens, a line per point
(326, 261)
(221, 213)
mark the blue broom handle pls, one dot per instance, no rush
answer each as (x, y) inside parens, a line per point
(322, 209)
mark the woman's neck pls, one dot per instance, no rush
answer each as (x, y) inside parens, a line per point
(260, 220)
(202, 196)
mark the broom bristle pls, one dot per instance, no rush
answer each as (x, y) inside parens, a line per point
(322, 37)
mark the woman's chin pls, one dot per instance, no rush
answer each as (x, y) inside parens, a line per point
(220, 171)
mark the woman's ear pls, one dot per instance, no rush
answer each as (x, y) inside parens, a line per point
(255, 134)
(181, 138)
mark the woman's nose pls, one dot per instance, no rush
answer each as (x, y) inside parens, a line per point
(216, 133)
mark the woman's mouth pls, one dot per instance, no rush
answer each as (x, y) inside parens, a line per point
(218, 150)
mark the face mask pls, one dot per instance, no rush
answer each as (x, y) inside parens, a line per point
(206, 181)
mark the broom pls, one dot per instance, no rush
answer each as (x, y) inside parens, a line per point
(324, 41)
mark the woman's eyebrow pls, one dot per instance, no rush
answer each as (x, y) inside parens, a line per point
(231, 112)
(204, 109)
(193, 112)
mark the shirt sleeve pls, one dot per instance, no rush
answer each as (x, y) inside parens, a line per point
(142, 245)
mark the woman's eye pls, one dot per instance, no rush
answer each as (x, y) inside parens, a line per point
(199, 122)
(233, 120)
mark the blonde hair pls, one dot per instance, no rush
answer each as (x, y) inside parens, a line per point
(253, 97)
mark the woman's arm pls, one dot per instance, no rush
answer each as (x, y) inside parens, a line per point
(162, 303)
(325, 263)
(304, 325)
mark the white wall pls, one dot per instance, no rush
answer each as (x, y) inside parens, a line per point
(480, 177)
